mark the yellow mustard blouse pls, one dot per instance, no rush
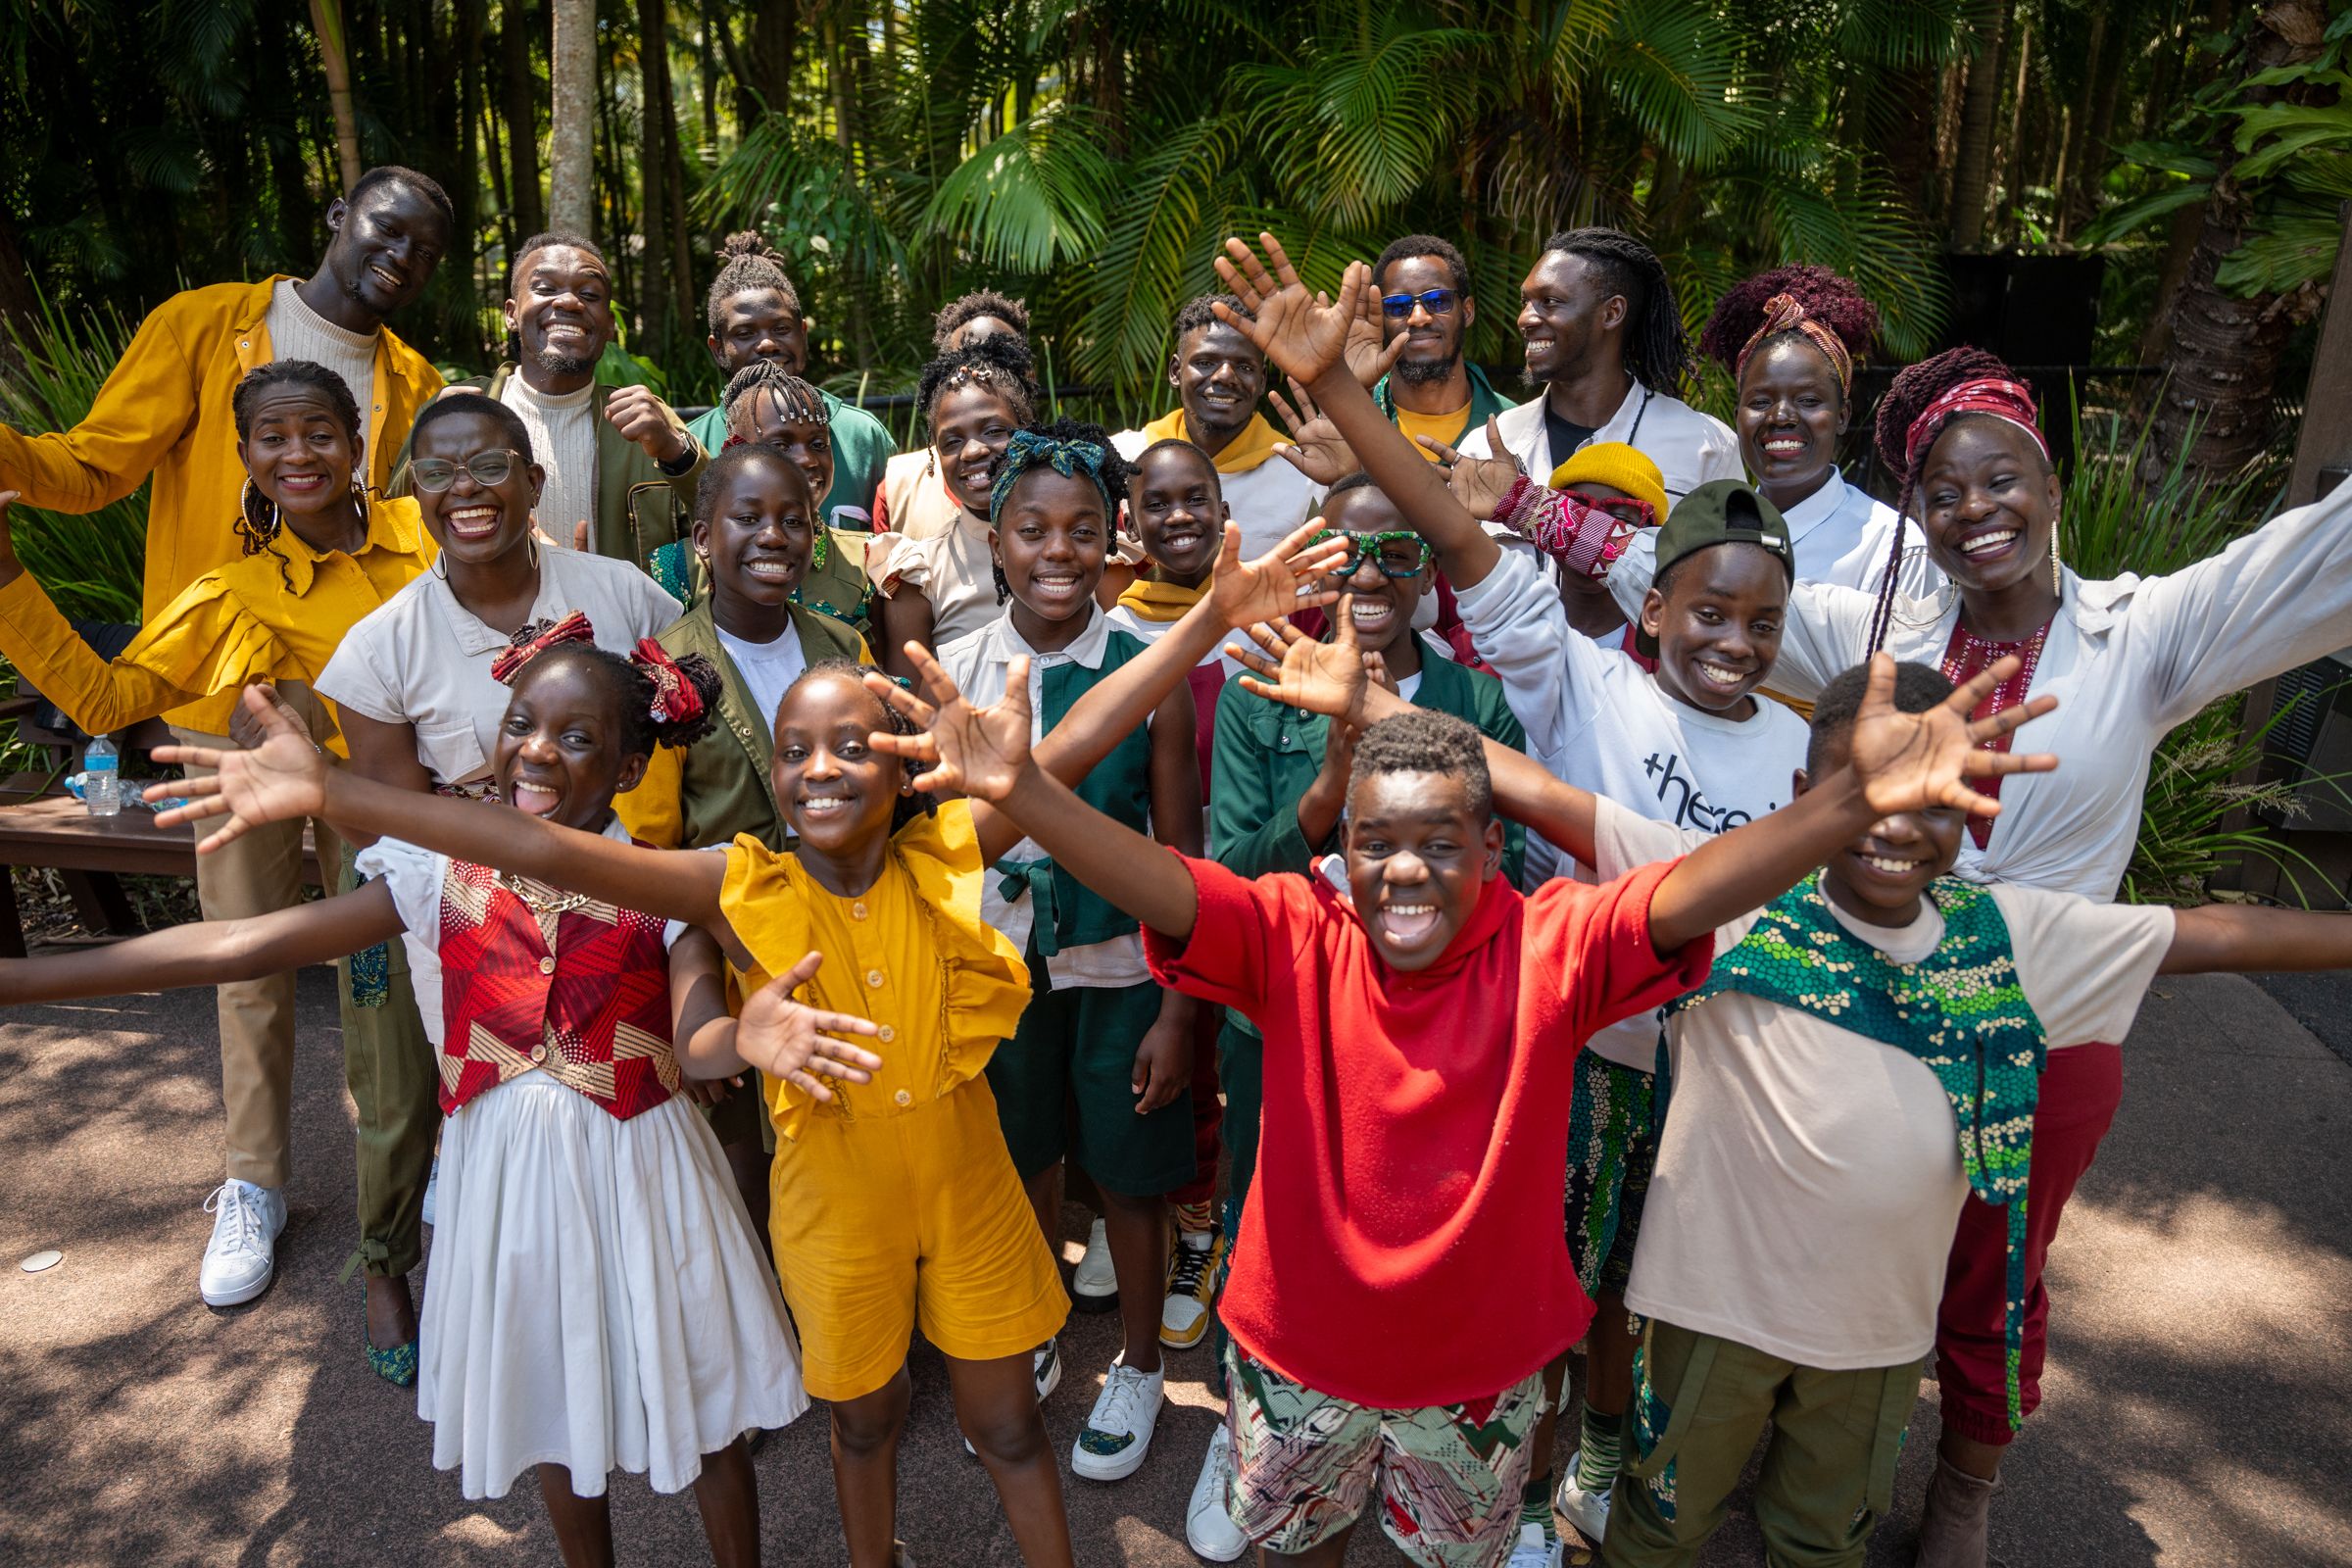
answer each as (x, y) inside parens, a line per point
(911, 952)
(273, 617)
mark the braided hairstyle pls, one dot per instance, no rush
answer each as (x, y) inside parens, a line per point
(1000, 364)
(1657, 349)
(800, 403)
(258, 521)
(748, 263)
(1914, 388)
(1836, 302)
(732, 461)
(908, 806)
(632, 689)
(965, 309)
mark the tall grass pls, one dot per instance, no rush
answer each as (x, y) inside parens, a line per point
(92, 564)
(2199, 812)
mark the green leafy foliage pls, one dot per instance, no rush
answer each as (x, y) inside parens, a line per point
(92, 565)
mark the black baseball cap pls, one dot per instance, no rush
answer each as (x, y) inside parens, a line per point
(1721, 512)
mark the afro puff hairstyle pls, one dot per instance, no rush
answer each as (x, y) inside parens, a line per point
(1001, 364)
(1830, 299)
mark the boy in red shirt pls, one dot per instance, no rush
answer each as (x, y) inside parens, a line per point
(1420, 1027)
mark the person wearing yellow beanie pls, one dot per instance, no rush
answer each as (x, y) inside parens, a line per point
(1612, 465)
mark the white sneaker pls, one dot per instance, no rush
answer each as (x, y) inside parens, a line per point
(1094, 1284)
(241, 1256)
(1045, 1365)
(433, 1189)
(1589, 1511)
(1207, 1527)
(1118, 1434)
(1533, 1551)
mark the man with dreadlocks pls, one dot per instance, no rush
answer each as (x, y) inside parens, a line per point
(756, 315)
(1606, 344)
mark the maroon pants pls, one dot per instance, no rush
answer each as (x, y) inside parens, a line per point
(1208, 1116)
(2080, 1091)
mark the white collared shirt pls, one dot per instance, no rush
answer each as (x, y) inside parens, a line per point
(977, 662)
(2128, 659)
(1689, 447)
(422, 658)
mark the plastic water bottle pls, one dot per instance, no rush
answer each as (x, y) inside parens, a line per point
(102, 779)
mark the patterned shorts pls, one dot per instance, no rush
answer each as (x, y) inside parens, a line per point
(1449, 1475)
(1611, 1153)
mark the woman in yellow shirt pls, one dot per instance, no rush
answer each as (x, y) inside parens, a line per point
(319, 556)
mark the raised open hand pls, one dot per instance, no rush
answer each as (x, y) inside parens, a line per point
(1478, 483)
(964, 749)
(1286, 579)
(1290, 667)
(283, 779)
(1371, 352)
(800, 1044)
(1305, 334)
(1321, 453)
(1911, 762)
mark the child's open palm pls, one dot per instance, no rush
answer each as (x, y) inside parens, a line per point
(966, 750)
(1292, 669)
(1303, 332)
(1318, 448)
(280, 780)
(1914, 762)
(1280, 582)
(800, 1044)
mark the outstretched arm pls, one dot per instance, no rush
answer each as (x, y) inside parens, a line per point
(2246, 939)
(209, 951)
(983, 753)
(1901, 762)
(1305, 334)
(286, 778)
(776, 1035)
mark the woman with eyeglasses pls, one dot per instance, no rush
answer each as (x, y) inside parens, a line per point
(421, 709)
(320, 554)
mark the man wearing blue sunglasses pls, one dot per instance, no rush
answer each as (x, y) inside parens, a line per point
(1424, 287)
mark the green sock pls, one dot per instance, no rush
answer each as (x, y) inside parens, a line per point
(1535, 1503)
(1597, 1459)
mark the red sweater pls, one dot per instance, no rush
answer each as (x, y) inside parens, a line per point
(1402, 1243)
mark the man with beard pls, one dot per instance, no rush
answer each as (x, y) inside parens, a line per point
(1219, 376)
(1606, 344)
(1424, 291)
(621, 465)
(167, 412)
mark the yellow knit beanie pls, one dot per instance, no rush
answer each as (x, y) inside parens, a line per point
(1619, 467)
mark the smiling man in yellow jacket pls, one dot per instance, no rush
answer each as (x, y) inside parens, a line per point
(165, 412)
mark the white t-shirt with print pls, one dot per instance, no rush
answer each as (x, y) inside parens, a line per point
(1809, 1178)
(768, 669)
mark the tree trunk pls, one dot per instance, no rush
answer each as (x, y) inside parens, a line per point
(775, 31)
(522, 116)
(2222, 366)
(327, 20)
(1979, 106)
(2012, 156)
(571, 120)
(2087, 149)
(467, 196)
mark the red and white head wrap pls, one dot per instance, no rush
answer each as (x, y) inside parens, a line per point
(1998, 396)
(675, 700)
(572, 628)
(1786, 313)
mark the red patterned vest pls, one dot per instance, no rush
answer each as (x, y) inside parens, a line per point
(583, 995)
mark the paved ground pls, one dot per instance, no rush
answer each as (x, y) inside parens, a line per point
(2196, 1407)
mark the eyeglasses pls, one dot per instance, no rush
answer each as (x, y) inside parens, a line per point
(1397, 553)
(433, 476)
(1437, 302)
(1625, 509)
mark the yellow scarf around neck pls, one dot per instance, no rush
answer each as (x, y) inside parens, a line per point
(1160, 600)
(1247, 451)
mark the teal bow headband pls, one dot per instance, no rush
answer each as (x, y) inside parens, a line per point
(1068, 458)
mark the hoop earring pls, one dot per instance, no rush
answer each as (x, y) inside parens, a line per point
(530, 542)
(2057, 578)
(358, 498)
(266, 528)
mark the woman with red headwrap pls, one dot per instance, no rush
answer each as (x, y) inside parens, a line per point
(2129, 659)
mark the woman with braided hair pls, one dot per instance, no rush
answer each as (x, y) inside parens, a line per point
(2129, 659)
(1606, 344)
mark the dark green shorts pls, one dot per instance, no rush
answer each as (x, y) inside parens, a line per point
(1063, 1087)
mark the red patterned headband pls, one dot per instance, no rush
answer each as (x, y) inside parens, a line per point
(675, 700)
(1995, 394)
(572, 628)
(1786, 313)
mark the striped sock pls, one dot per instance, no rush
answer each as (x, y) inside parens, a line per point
(1193, 1217)
(1535, 1504)
(1597, 1460)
